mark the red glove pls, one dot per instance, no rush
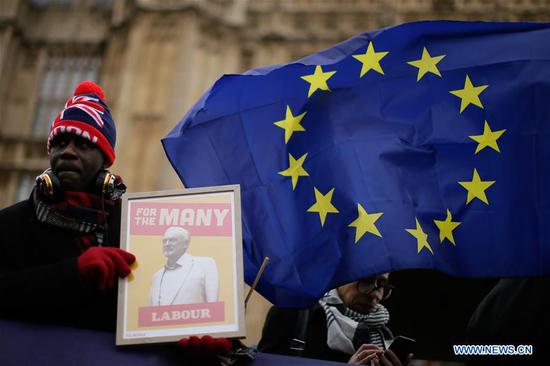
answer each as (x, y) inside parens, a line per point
(102, 265)
(205, 346)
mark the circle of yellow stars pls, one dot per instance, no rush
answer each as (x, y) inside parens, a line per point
(365, 223)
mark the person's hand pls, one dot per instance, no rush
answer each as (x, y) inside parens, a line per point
(365, 354)
(102, 265)
(204, 346)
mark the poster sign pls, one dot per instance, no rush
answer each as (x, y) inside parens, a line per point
(188, 279)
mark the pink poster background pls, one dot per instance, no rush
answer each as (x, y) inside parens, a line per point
(205, 219)
(154, 316)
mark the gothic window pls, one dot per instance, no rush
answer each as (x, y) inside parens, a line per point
(44, 3)
(61, 75)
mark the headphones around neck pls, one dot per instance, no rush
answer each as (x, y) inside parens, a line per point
(49, 186)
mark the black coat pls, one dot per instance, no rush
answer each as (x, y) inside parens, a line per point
(281, 327)
(39, 278)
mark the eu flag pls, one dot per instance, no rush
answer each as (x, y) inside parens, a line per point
(424, 145)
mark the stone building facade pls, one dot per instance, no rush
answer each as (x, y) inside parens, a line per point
(154, 58)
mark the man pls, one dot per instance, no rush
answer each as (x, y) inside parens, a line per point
(348, 324)
(59, 260)
(184, 279)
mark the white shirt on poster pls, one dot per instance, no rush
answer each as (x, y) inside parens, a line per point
(192, 280)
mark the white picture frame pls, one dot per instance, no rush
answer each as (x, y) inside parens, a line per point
(202, 292)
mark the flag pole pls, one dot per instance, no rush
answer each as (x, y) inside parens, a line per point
(256, 280)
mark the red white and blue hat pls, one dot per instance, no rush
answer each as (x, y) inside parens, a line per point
(87, 115)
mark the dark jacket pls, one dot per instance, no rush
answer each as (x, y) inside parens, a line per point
(39, 278)
(282, 325)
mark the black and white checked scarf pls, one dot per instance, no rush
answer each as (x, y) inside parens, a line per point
(347, 329)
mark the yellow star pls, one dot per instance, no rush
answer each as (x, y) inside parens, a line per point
(323, 205)
(291, 123)
(469, 95)
(488, 139)
(365, 223)
(370, 60)
(446, 228)
(318, 80)
(295, 169)
(427, 64)
(421, 237)
(476, 188)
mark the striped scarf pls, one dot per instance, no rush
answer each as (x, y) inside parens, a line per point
(80, 212)
(347, 329)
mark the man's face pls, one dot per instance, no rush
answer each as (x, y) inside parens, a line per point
(75, 161)
(361, 301)
(174, 244)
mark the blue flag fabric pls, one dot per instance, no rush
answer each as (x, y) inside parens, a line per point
(424, 145)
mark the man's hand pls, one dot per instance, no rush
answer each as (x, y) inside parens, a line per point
(365, 354)
(102, 265)
(205, 346)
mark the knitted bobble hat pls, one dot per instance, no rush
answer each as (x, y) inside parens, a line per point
(87, 115)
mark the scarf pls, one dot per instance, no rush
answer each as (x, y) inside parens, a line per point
(347, 329)
(80, 212)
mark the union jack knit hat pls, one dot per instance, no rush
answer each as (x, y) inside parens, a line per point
(87, 115)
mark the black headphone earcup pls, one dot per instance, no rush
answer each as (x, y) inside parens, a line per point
(105, 184)
(49, 187)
